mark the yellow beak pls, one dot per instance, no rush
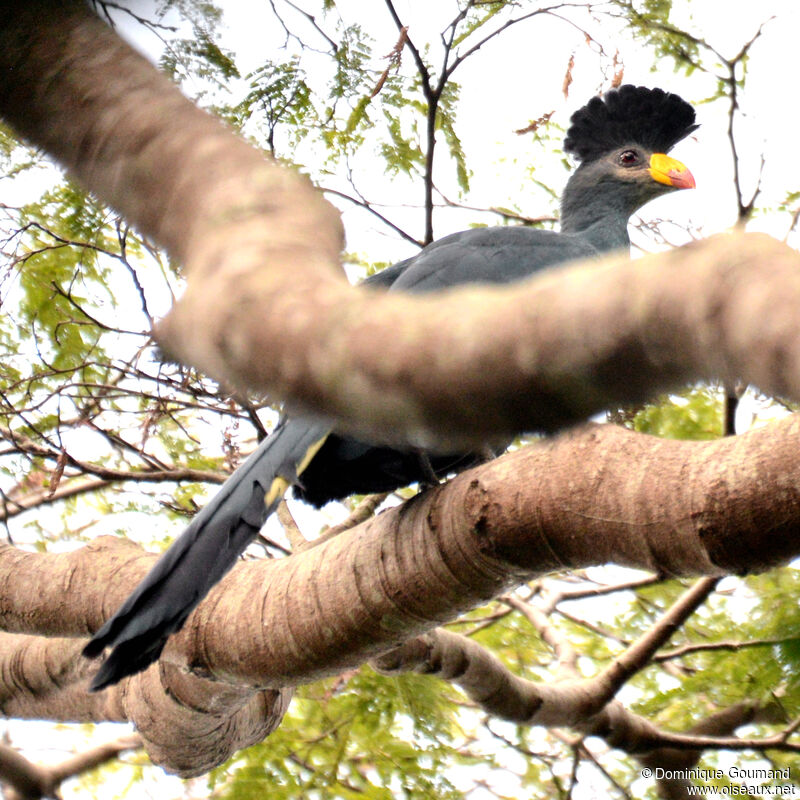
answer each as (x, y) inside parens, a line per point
(670, 171)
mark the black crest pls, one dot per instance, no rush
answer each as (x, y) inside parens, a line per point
(652, 118)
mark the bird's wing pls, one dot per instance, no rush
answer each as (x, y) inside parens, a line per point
(204, 552)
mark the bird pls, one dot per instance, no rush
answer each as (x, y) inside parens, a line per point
(620, 141)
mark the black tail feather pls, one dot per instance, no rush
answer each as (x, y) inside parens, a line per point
(203, 553)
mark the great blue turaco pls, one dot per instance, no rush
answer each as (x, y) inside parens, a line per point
(620, 141)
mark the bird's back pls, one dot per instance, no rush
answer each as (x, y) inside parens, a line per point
(488, 256)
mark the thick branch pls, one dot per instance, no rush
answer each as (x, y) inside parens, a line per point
(190, 727)
(676, 507)
(570, 701)
(30, 781)
(574, 703)
(560, 348)
(47, 678)
(601, 494)
(689, 508)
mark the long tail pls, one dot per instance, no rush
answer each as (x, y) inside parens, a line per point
(203, 553)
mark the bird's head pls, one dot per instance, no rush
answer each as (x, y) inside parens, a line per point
(637, 172)
(621, 141)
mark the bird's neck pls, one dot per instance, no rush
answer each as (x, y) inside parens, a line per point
(596, 214)
(605, 234)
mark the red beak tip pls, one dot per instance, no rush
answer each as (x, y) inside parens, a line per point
(682, 180)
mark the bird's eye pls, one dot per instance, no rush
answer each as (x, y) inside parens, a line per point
(628, 158)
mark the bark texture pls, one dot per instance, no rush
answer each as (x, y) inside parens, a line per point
(599, 494)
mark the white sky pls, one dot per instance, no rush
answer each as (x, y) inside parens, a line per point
(520, 76)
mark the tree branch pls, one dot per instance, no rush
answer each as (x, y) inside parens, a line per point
(291, 325)
(695, 507)
(24, 444)
(12, 506)
(30, 781)
(565, 653)
(577, 703)
(730, 505)
(639, 654)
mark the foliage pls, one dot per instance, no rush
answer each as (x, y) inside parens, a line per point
(696, 413)
(361, 735)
